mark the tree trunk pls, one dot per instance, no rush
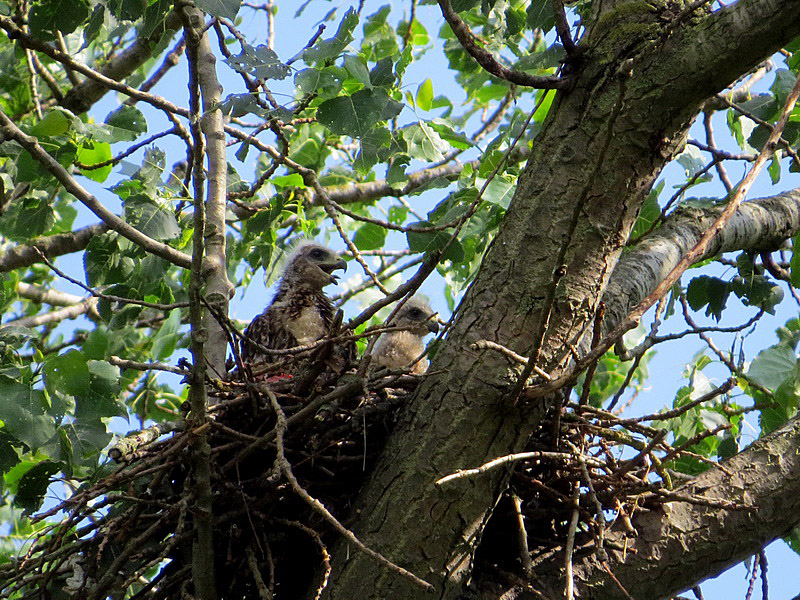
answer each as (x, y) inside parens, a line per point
(643, 77)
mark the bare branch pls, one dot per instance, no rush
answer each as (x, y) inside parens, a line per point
(68, 312)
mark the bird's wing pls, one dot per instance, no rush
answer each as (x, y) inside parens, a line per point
(267, 329)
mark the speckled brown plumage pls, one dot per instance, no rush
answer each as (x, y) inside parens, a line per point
(300, 313)
(399, 349)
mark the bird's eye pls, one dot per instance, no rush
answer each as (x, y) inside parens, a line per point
(317, 253)
(415, 313)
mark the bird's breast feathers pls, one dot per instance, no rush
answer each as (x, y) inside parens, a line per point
(307, 326)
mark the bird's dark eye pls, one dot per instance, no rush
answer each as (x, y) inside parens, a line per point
(317, 253)
(415, 313)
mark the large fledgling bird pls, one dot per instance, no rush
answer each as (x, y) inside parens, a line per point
(399, 349)
(300, 313)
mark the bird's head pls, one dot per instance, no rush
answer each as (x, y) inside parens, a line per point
(417, 314)
(313, 264)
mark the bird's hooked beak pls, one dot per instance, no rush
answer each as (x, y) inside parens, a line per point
(432, 325)
(329, 269)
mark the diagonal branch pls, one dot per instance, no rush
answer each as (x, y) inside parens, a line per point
(485, 59)
(10, 131)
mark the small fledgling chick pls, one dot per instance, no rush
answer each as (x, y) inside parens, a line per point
(399, 349)
(300, 313)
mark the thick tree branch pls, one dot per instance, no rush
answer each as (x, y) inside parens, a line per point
(84, 95)
(10, 131)
(218, 290)
(56, 316)
(757, 225)
(51, 246)
(680, 543)
(43, 295)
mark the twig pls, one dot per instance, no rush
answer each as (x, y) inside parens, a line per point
(146, 366)
(522, 537)
(109, 297)
(286, 469)
(562, 28)
(569, 592)
(510, 458)
(489, 345)
(252, 564)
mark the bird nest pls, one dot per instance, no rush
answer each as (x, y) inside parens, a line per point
(284, 469)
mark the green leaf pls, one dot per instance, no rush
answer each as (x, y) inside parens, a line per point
(291, 180)
(691, 159)
(429, 241)
(773, 366)
(260, 61)
(500, 191)
(129, 120)
(91, 153)
(424, 143)
(370, 237)
(710, 291)
(375, 147)
(540, 15)
(450, 135)
(782, 85)
(356, 115)
(774, 168)
(549, 58)
(166, 338)
(357, 69)
(649, 213)
(101, 398)
(102, 260)
(126, 10)
(95, 24)
(763, 106)
(22, 412)
(794, 265)
(396, 174)
(219, 8)
(29, 217)
(55, 122)
(149, 218)
(67, 373)
(464, 5)
(49, 16)
(381, 74)
(154, 16)
(424, 97)
(33, 485)
(332, 47)
(8, 453)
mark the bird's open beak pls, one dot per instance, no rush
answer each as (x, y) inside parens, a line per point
(432, 325)
(329, 269)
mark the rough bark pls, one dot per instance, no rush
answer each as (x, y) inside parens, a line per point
(679, 544)
(761, 224)
(604, 143)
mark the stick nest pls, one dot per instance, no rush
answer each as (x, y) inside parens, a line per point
(128, 532)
